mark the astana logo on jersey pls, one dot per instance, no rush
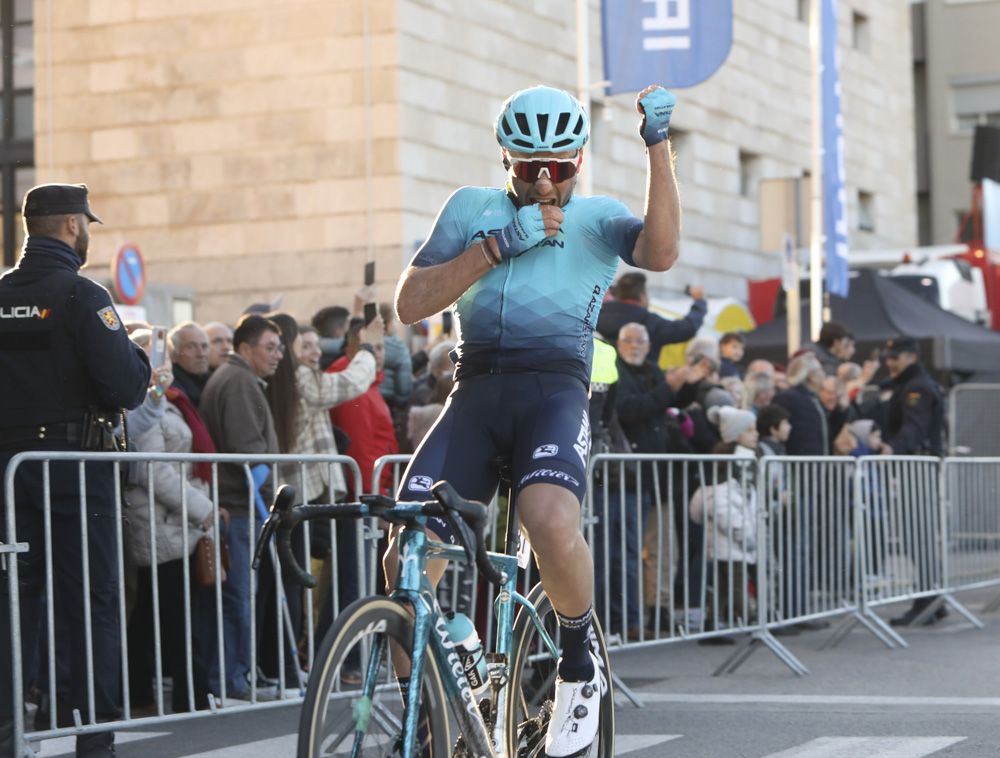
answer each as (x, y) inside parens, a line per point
(547, 242)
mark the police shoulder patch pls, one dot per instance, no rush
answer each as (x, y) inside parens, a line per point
(912, 398)
(109, 317)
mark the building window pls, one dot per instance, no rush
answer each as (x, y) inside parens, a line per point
(866, 211)
(975, 102)
(860, 32)
(749, 174)
(17, 103)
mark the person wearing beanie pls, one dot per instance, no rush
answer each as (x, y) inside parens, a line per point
(734, 425)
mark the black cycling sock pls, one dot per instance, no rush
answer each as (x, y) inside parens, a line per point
(576, 664)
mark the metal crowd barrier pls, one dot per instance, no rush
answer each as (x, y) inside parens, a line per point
(686, 547)
(972, 552)
(44, 671)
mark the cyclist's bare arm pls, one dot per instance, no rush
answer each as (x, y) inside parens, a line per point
(657, 245)
(425, 290)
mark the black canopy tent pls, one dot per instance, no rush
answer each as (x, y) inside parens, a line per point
(878, 308)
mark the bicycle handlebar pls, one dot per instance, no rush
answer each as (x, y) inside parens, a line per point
(466, 517)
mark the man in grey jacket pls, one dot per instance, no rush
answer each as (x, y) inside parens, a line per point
(238, 417)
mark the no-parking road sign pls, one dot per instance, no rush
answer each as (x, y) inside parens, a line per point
(128, 274)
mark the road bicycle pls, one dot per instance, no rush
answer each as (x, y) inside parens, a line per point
(353, 706)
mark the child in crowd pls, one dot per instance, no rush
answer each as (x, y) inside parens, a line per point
(727, 504)
(773, 427)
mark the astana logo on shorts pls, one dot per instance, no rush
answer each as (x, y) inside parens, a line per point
(420, 483)
(545, 451)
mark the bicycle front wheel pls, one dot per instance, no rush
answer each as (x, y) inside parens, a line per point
(352, 705)
(532, 684)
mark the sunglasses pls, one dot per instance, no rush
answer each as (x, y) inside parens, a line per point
(555, 170)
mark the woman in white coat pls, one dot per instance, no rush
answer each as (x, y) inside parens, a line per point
(727, 504)
(169, 511)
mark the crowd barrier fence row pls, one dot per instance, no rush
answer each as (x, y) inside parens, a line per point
(685, 547)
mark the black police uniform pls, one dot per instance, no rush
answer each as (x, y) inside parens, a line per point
(915, 413)
(914, 423)
(64, 354)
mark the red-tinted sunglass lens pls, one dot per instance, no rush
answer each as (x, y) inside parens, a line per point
(558, 171)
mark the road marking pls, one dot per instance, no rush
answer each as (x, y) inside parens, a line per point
(868, 747)
(631, 743)
(723, 699)
(67, 745)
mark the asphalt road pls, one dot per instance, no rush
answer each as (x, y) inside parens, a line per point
(938, 697)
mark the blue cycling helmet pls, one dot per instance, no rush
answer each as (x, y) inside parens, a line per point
(542, 119)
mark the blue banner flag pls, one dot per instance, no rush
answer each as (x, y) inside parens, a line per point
(676, 43)
(834, 193)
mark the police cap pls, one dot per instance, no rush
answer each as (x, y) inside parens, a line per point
(57, 200)
(898, 345)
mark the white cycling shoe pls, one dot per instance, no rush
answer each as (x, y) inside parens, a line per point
(576, 715)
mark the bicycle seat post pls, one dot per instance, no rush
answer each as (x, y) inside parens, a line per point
(505, 470)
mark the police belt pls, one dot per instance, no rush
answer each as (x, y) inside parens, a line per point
(19, 436)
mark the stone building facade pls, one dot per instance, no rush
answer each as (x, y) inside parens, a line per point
(256, 148)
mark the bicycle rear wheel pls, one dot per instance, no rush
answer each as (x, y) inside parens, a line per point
(532, 684)
(352, 704)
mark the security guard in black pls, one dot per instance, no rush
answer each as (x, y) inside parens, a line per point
(915, 414)
(65, 360)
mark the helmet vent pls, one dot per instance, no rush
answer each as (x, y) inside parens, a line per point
(543, 125)
(561, 143)
(562, 123)
(505, 126)
(523, 143)
(579, 126)
(522, 123)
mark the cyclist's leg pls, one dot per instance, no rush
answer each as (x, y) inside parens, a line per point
(550, 457)
(460, 449)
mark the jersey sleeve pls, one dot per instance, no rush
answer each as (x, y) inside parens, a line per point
(619, 228)
(449, 234)
(117, 366)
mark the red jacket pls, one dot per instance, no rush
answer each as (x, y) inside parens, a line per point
(367, 421)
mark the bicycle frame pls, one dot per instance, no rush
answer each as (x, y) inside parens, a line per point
(414, 588)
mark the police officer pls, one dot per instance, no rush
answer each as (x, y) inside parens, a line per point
(914, 420)
(915, 416)
(67, 368)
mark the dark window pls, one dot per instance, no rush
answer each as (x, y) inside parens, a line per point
(17, 109)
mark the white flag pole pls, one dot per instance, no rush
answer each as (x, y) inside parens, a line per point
(816, 235)
(586, 182)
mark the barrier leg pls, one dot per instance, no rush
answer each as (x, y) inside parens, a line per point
(624, 689)
(882, 630)
(758, 638)
(962, 610)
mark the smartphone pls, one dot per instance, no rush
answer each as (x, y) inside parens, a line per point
(158, 347)
(446, 322)
(371, 309)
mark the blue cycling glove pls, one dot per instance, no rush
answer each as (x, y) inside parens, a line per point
(657, 107)
(524, 232)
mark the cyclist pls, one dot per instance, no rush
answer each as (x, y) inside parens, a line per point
(528, 265)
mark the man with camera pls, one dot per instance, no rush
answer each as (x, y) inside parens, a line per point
(67, 369)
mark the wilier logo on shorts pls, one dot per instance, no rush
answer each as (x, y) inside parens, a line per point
(548, 473)
(420, 483)
(545, 451)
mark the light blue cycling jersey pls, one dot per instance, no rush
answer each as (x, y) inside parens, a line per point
(536, 312)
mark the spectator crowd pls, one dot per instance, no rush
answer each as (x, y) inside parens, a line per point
(336, 385)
